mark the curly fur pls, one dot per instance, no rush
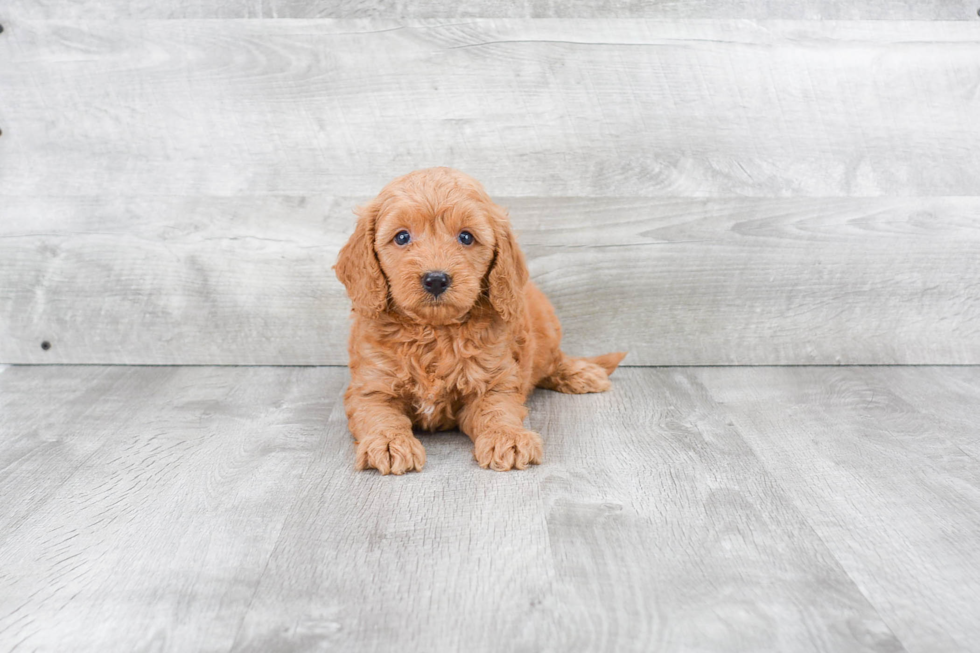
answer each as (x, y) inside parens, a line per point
(468, 359)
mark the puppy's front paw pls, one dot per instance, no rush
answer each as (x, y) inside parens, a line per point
(390, 454)
(508, 450)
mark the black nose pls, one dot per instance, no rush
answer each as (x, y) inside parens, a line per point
(435, 283)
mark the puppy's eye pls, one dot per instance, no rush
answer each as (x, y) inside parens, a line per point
(465, 238)
(403, 237)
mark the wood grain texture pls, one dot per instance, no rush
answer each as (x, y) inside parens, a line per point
(452, 559)
(216, 508)
(949, 397)
(93, 403)
(658, 507)
(574, 107)
(181, 479)
(672, 9)
(605, 547)
(173, 280)
(247, 280)
(885, 486)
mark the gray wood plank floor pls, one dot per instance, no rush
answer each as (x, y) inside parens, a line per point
(710, 509)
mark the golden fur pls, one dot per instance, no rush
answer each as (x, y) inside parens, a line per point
(468, 358)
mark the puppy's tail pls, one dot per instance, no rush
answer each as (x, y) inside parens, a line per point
(581, 375)
(608, 362)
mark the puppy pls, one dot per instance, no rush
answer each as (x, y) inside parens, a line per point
(447, 329)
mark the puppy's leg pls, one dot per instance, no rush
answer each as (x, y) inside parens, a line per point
(581, 375)
(495, 423)
(383, 436)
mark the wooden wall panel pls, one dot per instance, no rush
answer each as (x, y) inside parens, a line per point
(247, 280)
(172, 281)
(582, 108)
(670, 9)
(695, 191)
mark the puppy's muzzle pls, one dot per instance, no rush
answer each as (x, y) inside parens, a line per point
(436, 282)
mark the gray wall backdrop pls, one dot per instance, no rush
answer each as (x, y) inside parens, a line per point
(701, 183)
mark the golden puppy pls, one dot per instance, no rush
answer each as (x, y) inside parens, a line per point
(447, 329)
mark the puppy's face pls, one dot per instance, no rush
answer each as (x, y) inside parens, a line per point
(435, 249)
(429, 246)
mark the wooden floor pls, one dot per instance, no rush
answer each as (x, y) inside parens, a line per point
(688, 509)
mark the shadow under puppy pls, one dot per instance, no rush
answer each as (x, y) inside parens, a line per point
(447, 329)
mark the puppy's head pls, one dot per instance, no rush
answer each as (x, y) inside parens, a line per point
(429, 246)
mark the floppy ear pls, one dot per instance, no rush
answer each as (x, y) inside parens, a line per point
(508, 272)
(357, 266)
